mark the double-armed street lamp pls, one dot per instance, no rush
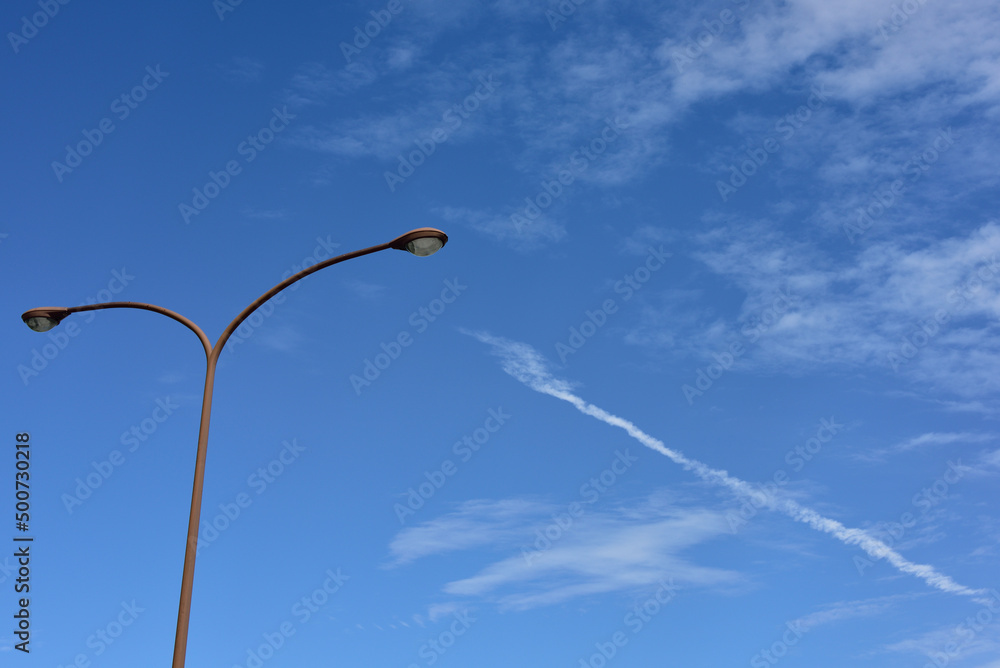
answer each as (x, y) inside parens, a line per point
(420, 242)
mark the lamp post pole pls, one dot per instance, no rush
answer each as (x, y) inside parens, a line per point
(421, 242)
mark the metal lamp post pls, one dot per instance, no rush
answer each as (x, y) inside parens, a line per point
(421, 242)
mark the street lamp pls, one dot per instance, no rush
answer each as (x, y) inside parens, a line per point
(421, 242)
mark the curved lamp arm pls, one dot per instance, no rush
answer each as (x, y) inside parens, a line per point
(45, 318)
(421, 242)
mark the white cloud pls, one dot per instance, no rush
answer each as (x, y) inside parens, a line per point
(365, 290)
(601, 550)
(927, 440)
(315, 83)
(278, 337)
(475, 524)
(887, 93)
(967, 637)
(172, 377)
(386, 135)
(537, 232)
(882, 309)
(266, 214)
(836, 612)
(992, 459)
(242, 70)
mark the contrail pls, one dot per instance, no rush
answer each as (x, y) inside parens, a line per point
(526, 364)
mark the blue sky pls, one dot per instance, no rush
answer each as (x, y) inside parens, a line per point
(707, 373)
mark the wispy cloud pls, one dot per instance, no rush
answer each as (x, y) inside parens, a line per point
(266, 214)
(527, 365)
(604, 554)
(967, 637)
(611, 549)
(992, 459)
(476, 524)
(836, 612)
(365, 290)
(541, 231)
(936, 438)
(315, 83)
(927, 440)
(887, 94)
(278, 337)
(453, 105)
(172, 377)
(241, 70)
(922, 309)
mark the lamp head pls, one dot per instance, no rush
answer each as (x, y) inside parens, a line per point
(44, 319)
(421, 242)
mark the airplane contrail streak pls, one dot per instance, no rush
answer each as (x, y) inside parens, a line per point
(527, 365)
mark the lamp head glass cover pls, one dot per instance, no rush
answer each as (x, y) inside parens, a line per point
(424, 246)
(44, 319)
(41, 323)
(421, 242)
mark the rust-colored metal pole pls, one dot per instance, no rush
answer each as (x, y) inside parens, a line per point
(194, 519)
(191, 550)
(212, 354)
